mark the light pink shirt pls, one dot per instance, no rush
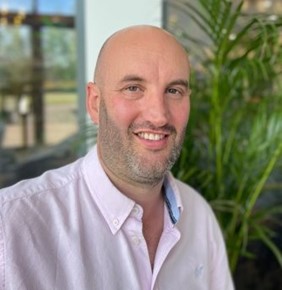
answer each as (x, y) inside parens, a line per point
(72, 229)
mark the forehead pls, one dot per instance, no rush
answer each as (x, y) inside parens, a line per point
(154, 54)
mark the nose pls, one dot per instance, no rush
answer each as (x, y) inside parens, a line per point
(156, 109)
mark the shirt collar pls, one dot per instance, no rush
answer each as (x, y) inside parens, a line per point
(172, 198)
(115, 206)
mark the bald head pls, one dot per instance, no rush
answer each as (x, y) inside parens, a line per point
(140, 99)
(148, 38)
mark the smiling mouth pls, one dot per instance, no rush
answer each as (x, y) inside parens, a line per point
(151, 136)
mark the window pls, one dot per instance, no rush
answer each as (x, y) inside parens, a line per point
(38, 98)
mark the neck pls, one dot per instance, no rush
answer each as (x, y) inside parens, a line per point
(146, 195)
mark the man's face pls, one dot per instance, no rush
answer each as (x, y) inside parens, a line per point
(143, 110)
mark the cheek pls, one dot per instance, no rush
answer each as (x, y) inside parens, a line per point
(123, 112)
(181, 115)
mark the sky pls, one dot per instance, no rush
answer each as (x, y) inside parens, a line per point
(44, 6)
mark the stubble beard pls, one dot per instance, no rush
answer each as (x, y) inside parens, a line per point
(122, 158)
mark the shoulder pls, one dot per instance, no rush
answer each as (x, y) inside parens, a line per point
(50, 181)
(197, 216)
(189, 196)
(194, 207)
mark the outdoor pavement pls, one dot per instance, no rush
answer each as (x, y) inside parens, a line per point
(61, 122)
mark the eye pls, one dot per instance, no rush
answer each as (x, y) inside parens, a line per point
(174, 92)
(133, 91)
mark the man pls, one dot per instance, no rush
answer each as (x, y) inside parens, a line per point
(117, 219)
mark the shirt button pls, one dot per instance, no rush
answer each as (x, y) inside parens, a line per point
(115, 222)
(136, 241)
(135, 210)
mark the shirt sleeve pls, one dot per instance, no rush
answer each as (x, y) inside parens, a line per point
(221, 274)
(2, 256)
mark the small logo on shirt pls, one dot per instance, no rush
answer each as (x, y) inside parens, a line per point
(199, 271)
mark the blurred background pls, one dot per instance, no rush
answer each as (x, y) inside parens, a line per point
(235, 47)
(38, 85)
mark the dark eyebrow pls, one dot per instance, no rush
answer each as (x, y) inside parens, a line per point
(136, 78)
(132, 78)
(180, 82)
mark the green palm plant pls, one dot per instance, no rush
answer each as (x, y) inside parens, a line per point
(234, 140)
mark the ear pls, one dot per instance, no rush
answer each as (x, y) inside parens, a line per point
(93, 101)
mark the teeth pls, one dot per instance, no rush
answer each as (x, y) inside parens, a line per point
(151, 136)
